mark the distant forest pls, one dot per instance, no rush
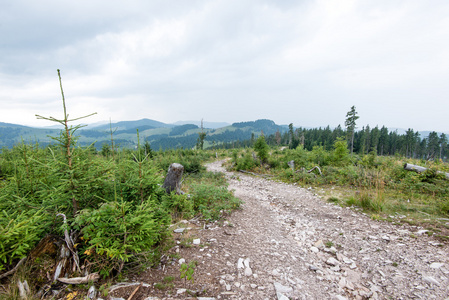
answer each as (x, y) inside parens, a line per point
(366, 140)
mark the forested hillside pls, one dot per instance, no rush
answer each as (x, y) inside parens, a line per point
(242, 134)
(382, 141)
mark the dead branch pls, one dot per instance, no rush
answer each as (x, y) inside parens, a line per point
(69, 242)
(79, 280)
(316, 167)
(310, 171)
(13, 270)
(135, 291)
(124, 285)
(24, 289)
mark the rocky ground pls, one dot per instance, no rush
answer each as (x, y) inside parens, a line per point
(287, 243)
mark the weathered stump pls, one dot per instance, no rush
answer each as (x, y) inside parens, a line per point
(173, 179)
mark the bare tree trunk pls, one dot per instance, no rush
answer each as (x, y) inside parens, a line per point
(173, 179)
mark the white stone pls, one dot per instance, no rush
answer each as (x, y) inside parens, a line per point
(335, 269)
(196, 241)
(386, 237)
(430, 279)
(422, 231)
(319, 244)
(281, 296)
(181, 291)
(436, 265)
(181, 261)
(248, 272)
(282, 288)
(92, 292)
(347, 260)
(332, 261)
(179, 230)
(240, 263)
(246, 262)
(253, 285)
(314, 249)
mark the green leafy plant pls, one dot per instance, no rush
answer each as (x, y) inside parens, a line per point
(187, 271)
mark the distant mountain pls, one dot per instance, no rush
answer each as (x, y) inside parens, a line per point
(236, 132)
(2, 124)
(126, 125)
(211, 125)
(160, 135)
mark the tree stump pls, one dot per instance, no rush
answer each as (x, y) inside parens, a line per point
(173, 179)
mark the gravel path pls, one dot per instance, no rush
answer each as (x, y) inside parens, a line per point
(301, 247)
(286, 243)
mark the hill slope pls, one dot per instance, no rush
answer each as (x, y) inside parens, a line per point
(160, 135)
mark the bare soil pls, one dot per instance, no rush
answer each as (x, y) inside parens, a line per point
(287, 243)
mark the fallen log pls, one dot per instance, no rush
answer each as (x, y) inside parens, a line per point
(419, 169)
(79, 280)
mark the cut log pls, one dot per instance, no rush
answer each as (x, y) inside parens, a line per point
(173, 179)
(419, 169)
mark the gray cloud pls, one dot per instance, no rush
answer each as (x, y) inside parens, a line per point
(305, 62)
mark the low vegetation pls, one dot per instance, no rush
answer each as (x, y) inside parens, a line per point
(107, 209)
(378, 184)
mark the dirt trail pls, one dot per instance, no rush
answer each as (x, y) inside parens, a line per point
(286, 243)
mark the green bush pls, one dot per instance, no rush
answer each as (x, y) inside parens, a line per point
(117, 231)
(180, 206)
(212, 201)
(18, 234)
(247, 162)
(261, 148)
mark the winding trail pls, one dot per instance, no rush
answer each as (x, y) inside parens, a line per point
(287, 243)
(300, 247)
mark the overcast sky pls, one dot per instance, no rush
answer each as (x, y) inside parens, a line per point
(300, 62)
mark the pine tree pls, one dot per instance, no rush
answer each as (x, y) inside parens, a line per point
(350, 123)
